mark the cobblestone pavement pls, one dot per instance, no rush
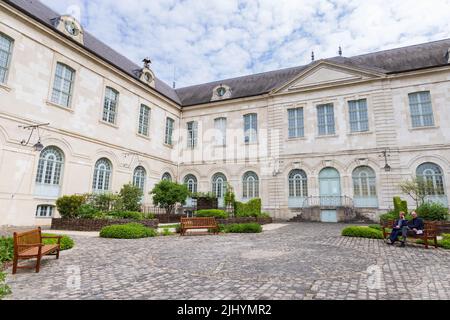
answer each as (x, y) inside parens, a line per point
(298, 261)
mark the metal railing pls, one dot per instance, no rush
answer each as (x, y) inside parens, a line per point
(328, 202)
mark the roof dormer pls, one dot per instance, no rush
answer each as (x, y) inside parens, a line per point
(70, 27)
(221, 92)
(147, 74)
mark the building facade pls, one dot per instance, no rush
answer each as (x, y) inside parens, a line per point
(335, 132)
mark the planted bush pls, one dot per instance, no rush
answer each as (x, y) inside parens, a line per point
(131, 197)
(69, 206)
(6, 250)
(242, 228)
(212, 213)
(66, 241)
(4, 288)
(128, 231)
(88, 211)
(432, 212)
(126, 215)
(362, 232)
(250, 209)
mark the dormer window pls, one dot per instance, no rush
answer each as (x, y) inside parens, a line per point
(221, 92)
(69, 26)
(147, 75)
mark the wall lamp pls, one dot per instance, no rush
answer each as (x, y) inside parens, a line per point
(38, 146)
(386, 155)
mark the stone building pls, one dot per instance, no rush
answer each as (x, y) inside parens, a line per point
(343, 132)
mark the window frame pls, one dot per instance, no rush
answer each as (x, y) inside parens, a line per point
(251, 133)
(106, 110)
(298, 185)
(359, 116)
(57, 168)
(327, 117)
(299, 126)
(420, 106)
(220, 125)
(7, 67)
(62, 79)
(141, 179)
(168, 139)
(47, 215)
(192, 134)
(250, 189)
(108, 174)
(186, 181)
(141, 118)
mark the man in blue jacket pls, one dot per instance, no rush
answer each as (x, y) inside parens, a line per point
(415, 226)
(398, 228)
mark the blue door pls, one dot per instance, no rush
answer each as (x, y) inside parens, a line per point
(330, 188)
(329, 216)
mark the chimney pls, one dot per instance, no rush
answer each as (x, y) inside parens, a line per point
(312, 56)
(448, 55)
(340, 51)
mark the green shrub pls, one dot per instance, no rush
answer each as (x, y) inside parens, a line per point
(243, 228)
(166, 232)
(362, 232)
(212, 213)
(6, 250)
(400, 205)
(66, 241)
(445, 244)
(131, 197)
(167, 194)
(250, 209)
(264, 215)
(126, 215)
(127, 231)
(69, 206)
(432, 212)
(4, 288)
(375, 226)
(105, 202)
(88, 211)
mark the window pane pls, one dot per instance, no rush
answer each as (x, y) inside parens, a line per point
(359, 120)
(63, 84)
(251, 128)
(421, 109)
(296, 123)
(325, 114)
(144, 120)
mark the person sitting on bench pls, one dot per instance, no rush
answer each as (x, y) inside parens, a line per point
(398, 228)
(415, 226)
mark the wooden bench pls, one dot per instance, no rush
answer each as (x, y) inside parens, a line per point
(430, 232)
(28, 245)
(198, 223)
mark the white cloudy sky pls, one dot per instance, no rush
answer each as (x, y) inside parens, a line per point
(207, 40)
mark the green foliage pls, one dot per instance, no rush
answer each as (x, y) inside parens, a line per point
(88, 211)
(432, 212)
(127, 231)
(417, 189)
(166, 232)
(230, 197)
(243, 228)
(66, 242)
(6, 250)
(250, 209)
(131, 197)
(205, 195)
(105, 202)
(375, 227)
(211, 213)
(362, 232)
(68, 206)
(167, 194)
(400, 205)
(132, 215)
(264, 215)
(4, 288)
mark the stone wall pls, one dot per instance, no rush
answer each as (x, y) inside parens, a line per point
(95, 225)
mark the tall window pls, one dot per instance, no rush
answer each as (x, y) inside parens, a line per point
(190, 182)
(192, 132)
(250, 185)
(63, 85)
(431, 175)
(110, 105)
(296, 123)
(144, 120)
(6, 45)
(45, 211)
(325, 114)
(359, 119)
(219, 185)
(298, 184)
(421, 109)
(364, 182)
(50, 166)
(220, 124)
(166, 177)
(169, 131)
(102, 175)
(251, 128)
(140, 177)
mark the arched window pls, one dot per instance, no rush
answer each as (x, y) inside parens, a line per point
(219, 185)
(102, 175)
(298, 184)
(365, 187)
(50, 166)
(431, 175)
(191, 183)
(167, 177)
(6, 45)
(140, 177)
(250, 185)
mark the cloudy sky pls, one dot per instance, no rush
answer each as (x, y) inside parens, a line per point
(207, 40)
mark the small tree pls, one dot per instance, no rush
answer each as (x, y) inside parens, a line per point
(167, 194)
(417, 189)
(68, 206)
(131, 196)
(230, 199)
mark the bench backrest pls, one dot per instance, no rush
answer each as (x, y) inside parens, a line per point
(430, 227)
(198, 222)
(28, 237)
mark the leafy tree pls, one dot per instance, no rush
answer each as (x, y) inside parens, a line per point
(230, 198)
(417, 189)
(68, 206)
(131, 197)
(167, 194)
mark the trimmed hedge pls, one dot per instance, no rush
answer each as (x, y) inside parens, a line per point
(242, 228)
(127, 231)
(212, 213)
(126, 215)
(66, 241)
(362, 232)
(68, 206)
(250, 209)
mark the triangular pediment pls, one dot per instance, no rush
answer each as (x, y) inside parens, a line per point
(324, 74)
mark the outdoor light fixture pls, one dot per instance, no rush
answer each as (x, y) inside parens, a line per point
(386, 155)
(38, 146)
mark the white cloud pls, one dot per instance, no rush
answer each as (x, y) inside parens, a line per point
(217, 39)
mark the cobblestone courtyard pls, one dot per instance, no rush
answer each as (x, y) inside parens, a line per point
(296, 261)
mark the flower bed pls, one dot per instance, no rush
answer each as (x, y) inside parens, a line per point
(96, 224)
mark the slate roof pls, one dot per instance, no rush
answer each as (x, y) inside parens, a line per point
(427, 55)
